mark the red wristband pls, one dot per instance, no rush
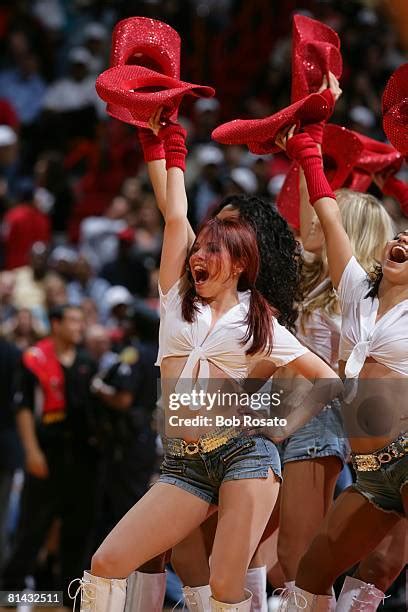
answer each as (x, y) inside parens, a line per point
(174, 140)
(315, 131)
(399, 190)
(304, 150)
(151, 144)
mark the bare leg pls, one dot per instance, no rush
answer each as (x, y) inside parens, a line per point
(161, 519)
(384, 564)
(352, 529)
(190, 557)
(307, 494)
(238, 532)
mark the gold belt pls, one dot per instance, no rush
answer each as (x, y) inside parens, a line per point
(374, 461)
(177, 447)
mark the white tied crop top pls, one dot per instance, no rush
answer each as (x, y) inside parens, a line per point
(385, 341)
(220, 346)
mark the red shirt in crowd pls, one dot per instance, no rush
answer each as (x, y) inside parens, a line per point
(23, 225)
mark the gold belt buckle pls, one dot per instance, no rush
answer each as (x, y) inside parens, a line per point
(385, 457)
(191, 448)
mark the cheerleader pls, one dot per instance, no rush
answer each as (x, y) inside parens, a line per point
(215, 324)
(374, 345)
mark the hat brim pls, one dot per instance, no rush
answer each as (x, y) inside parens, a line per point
(134, 93)
(395, 109)
(138, 39)
(315, 53)
(377, 156)
(260, 134)
(341, 149)
(359, 180)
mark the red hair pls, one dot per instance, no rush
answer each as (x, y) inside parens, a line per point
(238, 238)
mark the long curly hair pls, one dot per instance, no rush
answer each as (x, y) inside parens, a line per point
(280, 255)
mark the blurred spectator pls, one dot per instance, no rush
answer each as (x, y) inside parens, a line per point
(23, 225)
(24, 87)
(117, 300)
(23, 330)
(127, 269)
(62, 261)
(95, 40)
(205, 191)
(7, 286)
(59, 444)
(87, 285)
(98, 235)
(206, 119)
(147, 223)
(91, 313)
(10, 447)
(98, 345)
(55, 291)
(51, 178)
(29, 286)
(77, 89)
(9, 162)
(128, 390)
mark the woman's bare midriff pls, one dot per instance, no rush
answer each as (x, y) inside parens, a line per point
(381, 403)
(171, 368)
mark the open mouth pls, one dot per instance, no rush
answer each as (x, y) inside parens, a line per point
(200, 274)
(398, 254)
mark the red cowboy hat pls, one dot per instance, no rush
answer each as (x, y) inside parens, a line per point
(315, 53)
(144, 42)
(375, 157)
(141, 43)
(260, 134)
(340, 149)
(395, 109)
(135, 93)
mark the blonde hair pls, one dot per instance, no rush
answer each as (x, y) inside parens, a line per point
(367, 224)
(369, 227)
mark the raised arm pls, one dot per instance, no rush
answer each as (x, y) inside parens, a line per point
(154, 156)
(305, 151)
(175, 238)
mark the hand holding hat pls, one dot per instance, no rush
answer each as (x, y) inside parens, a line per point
(144, 72)
(304, 150)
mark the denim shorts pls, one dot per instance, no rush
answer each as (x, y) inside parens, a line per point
(202, 474)
(322, 436)
(383, 487)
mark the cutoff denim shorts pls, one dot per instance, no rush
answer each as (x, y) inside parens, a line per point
(383, 487)
(322, 436)
(202, 474)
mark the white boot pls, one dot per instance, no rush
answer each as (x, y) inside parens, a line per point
(197, 599)
(145, 592)
(242, 606)
(255, 582)
(295, 599)
(100, 594)
(359, 596)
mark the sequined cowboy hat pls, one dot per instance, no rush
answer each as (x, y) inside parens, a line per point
(260, 134)
(315, 53)
(340, 149)
(145, 64)
(375, 157)
(395, 109)
(141, 92)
